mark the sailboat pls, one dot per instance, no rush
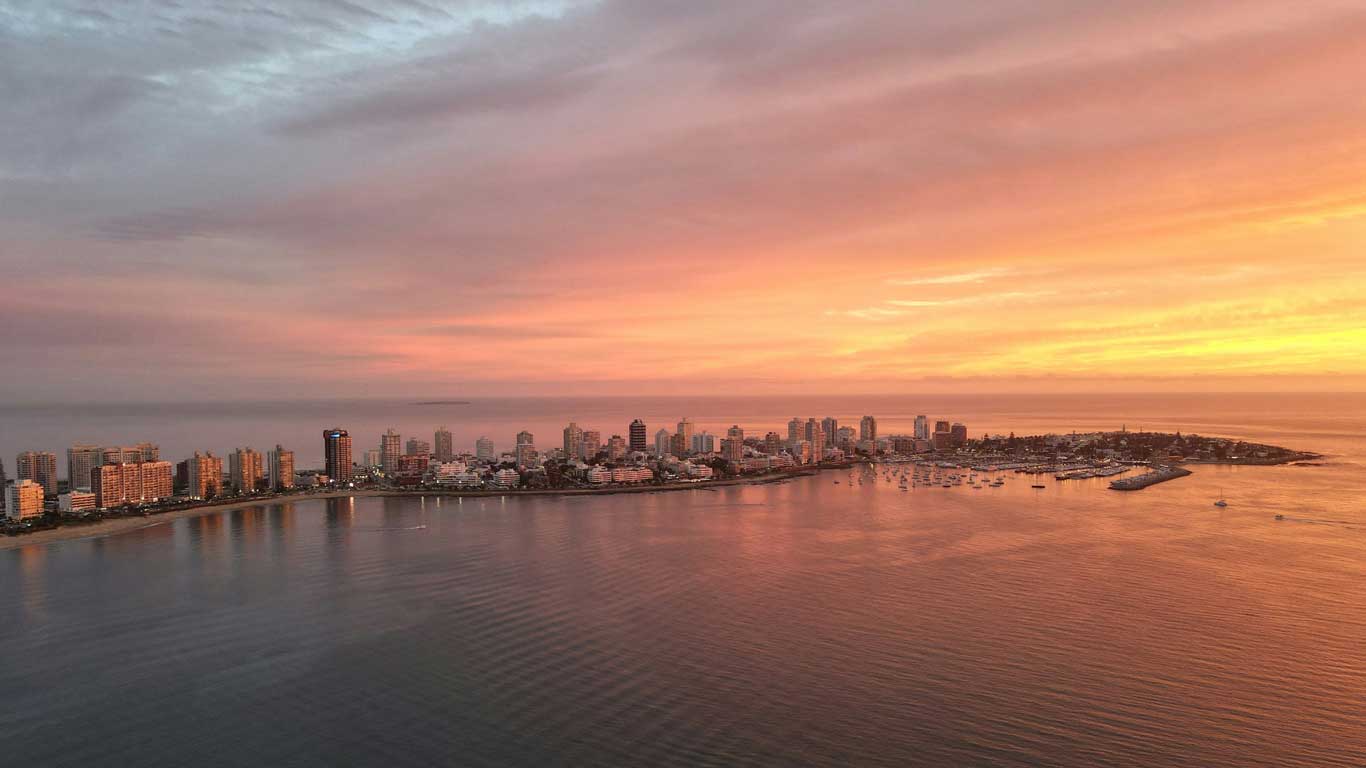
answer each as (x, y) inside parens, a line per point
(1221, 502)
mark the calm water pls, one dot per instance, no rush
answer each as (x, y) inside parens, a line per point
(801, 623)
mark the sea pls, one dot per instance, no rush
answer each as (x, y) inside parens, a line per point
(826, 620)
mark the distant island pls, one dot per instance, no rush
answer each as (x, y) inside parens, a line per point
(442, 402)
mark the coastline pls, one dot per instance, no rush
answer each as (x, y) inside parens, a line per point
(119, 525)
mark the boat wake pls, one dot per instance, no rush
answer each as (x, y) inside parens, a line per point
(1315, 521)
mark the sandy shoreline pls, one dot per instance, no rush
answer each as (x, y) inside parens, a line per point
(126, 524)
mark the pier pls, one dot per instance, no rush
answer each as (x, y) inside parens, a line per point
(1139, 482)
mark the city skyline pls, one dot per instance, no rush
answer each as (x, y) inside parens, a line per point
(883, 197)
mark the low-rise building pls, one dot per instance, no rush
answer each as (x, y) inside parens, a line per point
(76, 502)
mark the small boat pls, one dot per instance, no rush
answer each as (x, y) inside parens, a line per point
(1036, 485)
(1221, 503)
(1280, 517)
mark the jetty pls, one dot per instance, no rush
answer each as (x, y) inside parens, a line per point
(1139, 482)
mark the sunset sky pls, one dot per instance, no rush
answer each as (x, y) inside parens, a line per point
(392, 197)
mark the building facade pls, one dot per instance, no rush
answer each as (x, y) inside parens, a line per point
(119, 485)
(245, 469)
(281, 465)
(25, 499)
(204, 475)
(80, 460)
(639, 438)
(337, 455)
(867, 428)
(390, 448)
(443, 446)
(40, 467)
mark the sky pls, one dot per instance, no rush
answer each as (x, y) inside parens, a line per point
(212, 199)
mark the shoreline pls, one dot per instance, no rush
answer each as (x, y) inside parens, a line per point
(117, 525)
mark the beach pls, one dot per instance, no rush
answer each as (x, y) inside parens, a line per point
(110, 527)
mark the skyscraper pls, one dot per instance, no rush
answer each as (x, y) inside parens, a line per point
(418, 447)
(525, 451)
(794, 430)
(2, 484)
(685, 428)
(639, 439)
(80, 460)
(616, 448)
(40, 467)
(703, 442)
(662, 438)
(922, 428)
(867, 428)
(445, 450)
(773, 443)
(814, 435)
(149, 451)
(483, 448)
(337, 455)
(244, 469)
(829, 427)
(281, 463)
(390, 448)
(958, 435)
(592, 443)
(573, 441)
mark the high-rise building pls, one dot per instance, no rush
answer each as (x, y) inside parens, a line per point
(444, 447)
(845, 438)
(525, 452)
(829, 427)
(80, 460)
(2, 484)
(573, 441)
(639, 439)
(416, 447)
(118, 485)
(795, 430)
(592, 443)
(149, 451)
(371, 457)
(686, 428)
(733, 447)
(662, 443)
(816, 436)
(703, 442)
(483, 448)
(922, 427)
(25, 499)
(942, 426)
(204, 475)
(616, 448)
(337, 455)
(281, 463)
(121, 454)
(867, 428)
(244, 469)
(958, 435)
(40, 467)
(390, 448)
(773, 443)
(678, 445)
